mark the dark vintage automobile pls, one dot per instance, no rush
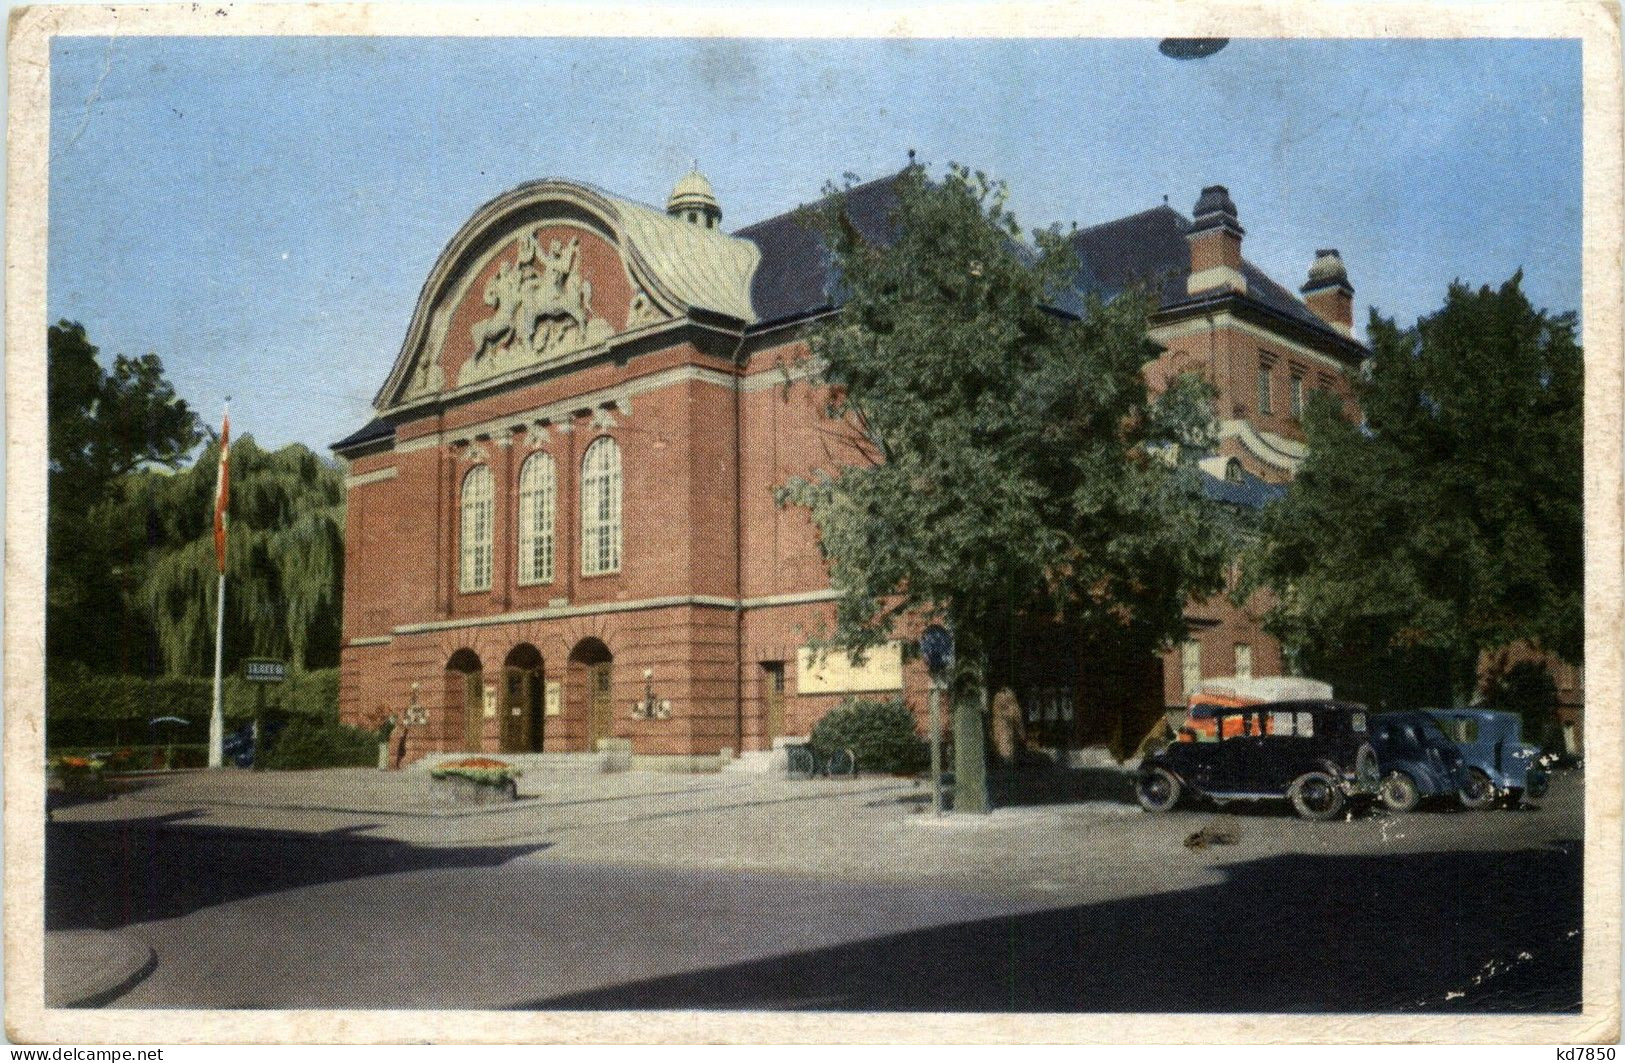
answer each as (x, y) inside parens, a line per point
(1315, 754)
(1500, 764)
(1418, 760)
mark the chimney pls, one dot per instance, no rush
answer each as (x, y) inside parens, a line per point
(1329, 293)
(1215, 239)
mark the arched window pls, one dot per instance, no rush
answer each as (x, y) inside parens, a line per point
(601, 508)
(536, 519)
(475, 540)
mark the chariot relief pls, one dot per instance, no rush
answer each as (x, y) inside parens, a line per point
(541, 307)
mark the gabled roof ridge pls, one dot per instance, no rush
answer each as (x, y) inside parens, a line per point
(861, 186)
(1137, 215)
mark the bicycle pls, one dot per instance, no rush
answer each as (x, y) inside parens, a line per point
(804, 762)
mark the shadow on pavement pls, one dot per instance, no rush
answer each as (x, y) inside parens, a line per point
(1445, 931)
(1052, 785)
(106, 874)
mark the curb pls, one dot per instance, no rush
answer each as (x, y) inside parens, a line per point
(90, 968)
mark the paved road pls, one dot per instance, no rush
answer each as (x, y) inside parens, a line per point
(852, 901)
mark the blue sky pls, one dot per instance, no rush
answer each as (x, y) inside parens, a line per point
(262, 212)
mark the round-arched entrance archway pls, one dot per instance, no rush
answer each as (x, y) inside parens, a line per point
(523, 718)
(465, 699)
(592, 686)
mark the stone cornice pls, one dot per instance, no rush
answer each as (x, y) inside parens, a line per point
(1223, 318)
(362, 479)
(1232, 308)
(677, 601)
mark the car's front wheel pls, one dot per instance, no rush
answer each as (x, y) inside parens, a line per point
(1157, 790)
(1479, 792)
(1316, 795)
(1400, 793)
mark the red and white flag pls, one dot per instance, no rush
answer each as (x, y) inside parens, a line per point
(222, 494)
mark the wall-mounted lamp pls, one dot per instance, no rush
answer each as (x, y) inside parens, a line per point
(650, 708)
(416, 715)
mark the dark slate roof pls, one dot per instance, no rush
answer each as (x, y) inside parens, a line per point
(1150, 248)
(796, 275)
(1248, 493)
(375, 429)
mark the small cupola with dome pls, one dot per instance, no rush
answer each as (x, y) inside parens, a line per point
(693, 201)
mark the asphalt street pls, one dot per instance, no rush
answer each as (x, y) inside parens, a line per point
(751, 896)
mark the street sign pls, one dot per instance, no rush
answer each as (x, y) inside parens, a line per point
(937, 647)
(260, 670)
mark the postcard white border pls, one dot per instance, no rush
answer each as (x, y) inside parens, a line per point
(1595, 24)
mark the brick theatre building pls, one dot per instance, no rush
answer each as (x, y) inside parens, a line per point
(562, 532)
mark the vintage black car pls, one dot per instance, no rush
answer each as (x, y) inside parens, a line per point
(1315, 754)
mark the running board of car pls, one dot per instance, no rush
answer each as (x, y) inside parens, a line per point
(1247, 794)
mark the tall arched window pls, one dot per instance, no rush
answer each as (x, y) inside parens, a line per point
(536, 519)
(601, 508)
(475, 540)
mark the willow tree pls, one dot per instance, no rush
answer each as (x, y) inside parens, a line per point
(1009, 460)
(284, 557)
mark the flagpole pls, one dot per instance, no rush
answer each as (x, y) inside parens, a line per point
(217, 718)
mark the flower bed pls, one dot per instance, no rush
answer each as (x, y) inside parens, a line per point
(475, 780)
(141, 757)
(81, 776)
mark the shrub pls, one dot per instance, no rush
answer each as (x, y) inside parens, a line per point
(882, 734)
(321, 744)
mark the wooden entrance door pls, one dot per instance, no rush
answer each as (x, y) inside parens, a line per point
(773, 690)
(534, 713)
(473, 708)
(516, 709)
(601, 710)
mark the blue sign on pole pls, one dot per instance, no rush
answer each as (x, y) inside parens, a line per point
(937, 647)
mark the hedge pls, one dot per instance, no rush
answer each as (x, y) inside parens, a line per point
(307, 743)
(115, 710)
(881, 734)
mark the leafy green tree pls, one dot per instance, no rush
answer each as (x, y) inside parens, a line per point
(284, 557)
(1005, 454)
(1448, 522)
(103, 423)
(1528, 689)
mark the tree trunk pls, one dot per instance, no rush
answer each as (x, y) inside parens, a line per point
(970, 755)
